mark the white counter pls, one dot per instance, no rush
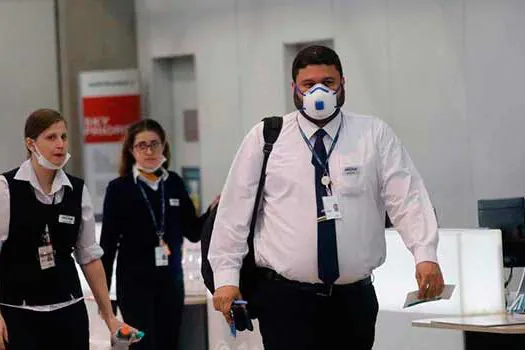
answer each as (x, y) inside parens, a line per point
(470, 259)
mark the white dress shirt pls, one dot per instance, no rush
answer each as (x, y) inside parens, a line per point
(87, 248)
(370, 171)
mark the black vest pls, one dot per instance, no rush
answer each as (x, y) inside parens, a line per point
(21, 278)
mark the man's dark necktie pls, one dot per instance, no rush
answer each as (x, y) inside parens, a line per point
(327, 262)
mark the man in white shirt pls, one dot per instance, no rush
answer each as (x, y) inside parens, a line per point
(320, 229)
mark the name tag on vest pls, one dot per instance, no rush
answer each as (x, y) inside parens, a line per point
(174, 202)
(66, 219)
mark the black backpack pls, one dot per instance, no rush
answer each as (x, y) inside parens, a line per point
(271, 130)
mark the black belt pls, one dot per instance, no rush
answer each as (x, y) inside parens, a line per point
(317, 288)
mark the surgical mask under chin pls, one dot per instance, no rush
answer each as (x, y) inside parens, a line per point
(152, 170)
(319, 102)
(46, 163)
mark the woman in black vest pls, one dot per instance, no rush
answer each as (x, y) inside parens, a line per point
(45, 216)
(147, 212)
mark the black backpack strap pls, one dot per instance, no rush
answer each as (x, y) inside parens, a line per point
(272, 129)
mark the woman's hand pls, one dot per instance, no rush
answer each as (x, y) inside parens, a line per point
(113, 324)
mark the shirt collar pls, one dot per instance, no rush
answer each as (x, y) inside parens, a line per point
(136, 175)
(310, 128)
(27, 173)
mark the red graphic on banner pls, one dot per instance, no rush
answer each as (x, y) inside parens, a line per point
(107, 118)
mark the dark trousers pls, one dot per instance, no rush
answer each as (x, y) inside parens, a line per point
(66, 328)
(155, 309)
(290, 318)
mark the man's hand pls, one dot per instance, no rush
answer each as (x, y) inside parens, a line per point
(223, 299)
(429, 280)
(3, 333)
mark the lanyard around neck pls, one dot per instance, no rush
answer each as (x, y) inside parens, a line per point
(159, 227)
(316, 156)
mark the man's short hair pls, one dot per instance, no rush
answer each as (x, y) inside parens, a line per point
(315, 54)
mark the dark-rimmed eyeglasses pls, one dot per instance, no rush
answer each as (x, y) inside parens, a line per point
(154, 146)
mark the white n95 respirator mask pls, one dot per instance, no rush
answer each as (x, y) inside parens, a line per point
(319, 102)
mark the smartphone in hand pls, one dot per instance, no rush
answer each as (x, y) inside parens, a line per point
(241, 319)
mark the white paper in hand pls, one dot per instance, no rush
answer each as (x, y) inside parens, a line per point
(412, 298)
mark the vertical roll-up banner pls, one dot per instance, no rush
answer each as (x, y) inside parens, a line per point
(109, 103)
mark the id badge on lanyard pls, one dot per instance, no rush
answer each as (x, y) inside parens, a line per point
(161, 258)
(331, 207)
(330, 201)
(162, 251)
(46, 254)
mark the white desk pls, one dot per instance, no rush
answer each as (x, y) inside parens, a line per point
(498, 331)
(498, 324)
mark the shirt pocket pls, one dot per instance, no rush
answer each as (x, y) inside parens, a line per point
(352, 178)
